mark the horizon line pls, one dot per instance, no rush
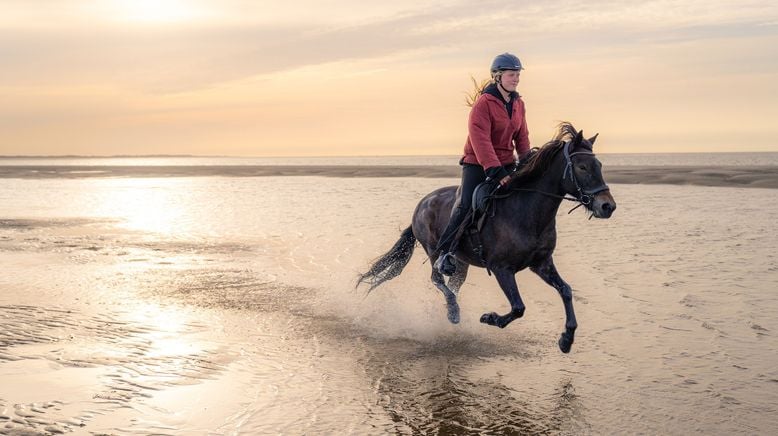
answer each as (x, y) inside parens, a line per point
(125, 156)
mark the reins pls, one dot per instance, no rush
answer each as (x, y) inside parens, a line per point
(561, 197)
(584, 197)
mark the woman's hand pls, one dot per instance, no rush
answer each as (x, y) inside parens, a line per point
(504, 181)
(524, 156)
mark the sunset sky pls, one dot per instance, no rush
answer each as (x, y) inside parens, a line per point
(348, 77)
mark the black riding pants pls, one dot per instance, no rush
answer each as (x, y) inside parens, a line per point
(472, 176)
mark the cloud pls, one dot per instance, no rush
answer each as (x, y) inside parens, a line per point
(255, 71)
(185, 57)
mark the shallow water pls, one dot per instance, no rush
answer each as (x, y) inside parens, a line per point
(608, 159)
(217, 304)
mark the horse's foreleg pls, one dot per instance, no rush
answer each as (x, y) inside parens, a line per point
(456, 280)
(547, 271)
(507, 281)
(451, 298)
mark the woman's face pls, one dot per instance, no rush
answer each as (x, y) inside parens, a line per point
(510, 80)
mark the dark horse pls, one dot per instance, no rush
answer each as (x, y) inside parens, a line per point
(522, 232)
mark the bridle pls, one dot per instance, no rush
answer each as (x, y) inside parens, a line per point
(585, 196)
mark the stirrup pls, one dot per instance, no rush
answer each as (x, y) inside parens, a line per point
(446, 264)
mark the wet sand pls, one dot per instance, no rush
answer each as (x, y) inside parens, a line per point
(733, 176)
(198, 306)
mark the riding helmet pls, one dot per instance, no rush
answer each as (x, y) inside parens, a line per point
(506, 61)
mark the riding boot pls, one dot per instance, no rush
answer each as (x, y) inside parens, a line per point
(446, 263)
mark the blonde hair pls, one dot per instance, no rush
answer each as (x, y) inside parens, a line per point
(478, 89)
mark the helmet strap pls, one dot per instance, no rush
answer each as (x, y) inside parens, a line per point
(498, 79)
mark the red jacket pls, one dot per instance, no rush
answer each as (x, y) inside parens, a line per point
(492, 135)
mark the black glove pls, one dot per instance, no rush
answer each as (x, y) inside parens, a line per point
(523, 160)
(497, 173)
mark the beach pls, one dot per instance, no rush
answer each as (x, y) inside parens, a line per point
(222, 218)
(212, 300)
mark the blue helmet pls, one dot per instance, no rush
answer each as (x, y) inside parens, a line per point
(506, 61)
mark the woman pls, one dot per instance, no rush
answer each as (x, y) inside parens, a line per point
(497, 126)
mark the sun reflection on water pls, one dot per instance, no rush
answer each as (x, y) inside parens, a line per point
(168, 330)
(151, 205)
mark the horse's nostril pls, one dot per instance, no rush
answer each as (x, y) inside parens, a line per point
(607, 207)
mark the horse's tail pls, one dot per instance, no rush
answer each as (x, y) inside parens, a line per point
(391, 264)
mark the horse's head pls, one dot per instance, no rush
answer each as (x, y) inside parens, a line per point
(583, 176)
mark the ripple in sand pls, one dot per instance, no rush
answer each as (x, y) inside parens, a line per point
(758, 328)
(111, 364)
(690, 301)
(242, 289)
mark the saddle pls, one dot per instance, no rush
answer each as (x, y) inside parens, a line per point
(482, 206)
(485, 194)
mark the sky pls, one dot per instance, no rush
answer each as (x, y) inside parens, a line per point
(362, 77)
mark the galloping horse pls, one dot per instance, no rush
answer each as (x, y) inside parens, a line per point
(521, 234)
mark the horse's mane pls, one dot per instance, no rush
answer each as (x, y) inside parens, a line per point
(539, 161)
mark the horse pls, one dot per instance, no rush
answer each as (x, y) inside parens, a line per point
(520, 233)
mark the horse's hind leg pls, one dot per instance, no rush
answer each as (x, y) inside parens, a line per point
(547, 271)
(507, 281)
(451, 298)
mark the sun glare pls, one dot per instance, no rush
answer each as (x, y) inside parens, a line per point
(154, 11)
(147, 204)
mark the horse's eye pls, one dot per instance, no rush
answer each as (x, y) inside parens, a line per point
(582, 167)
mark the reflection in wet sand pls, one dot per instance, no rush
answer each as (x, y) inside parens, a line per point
(447, 386)
(227, 316)
(440, 396)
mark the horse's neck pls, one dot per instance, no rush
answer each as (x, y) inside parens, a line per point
(542, 200)
(547, 205)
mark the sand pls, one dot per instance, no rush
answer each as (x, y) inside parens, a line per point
(225, 305)
(735, 176)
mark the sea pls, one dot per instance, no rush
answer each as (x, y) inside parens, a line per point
(614, 159)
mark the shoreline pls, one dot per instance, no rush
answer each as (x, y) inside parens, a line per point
(722, 176)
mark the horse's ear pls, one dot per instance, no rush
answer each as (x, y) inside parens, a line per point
(578, 138)
(593, 138)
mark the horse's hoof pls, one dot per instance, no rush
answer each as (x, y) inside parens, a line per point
(453, 315)
(453, 309)
(565, 342)
(489, 318)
